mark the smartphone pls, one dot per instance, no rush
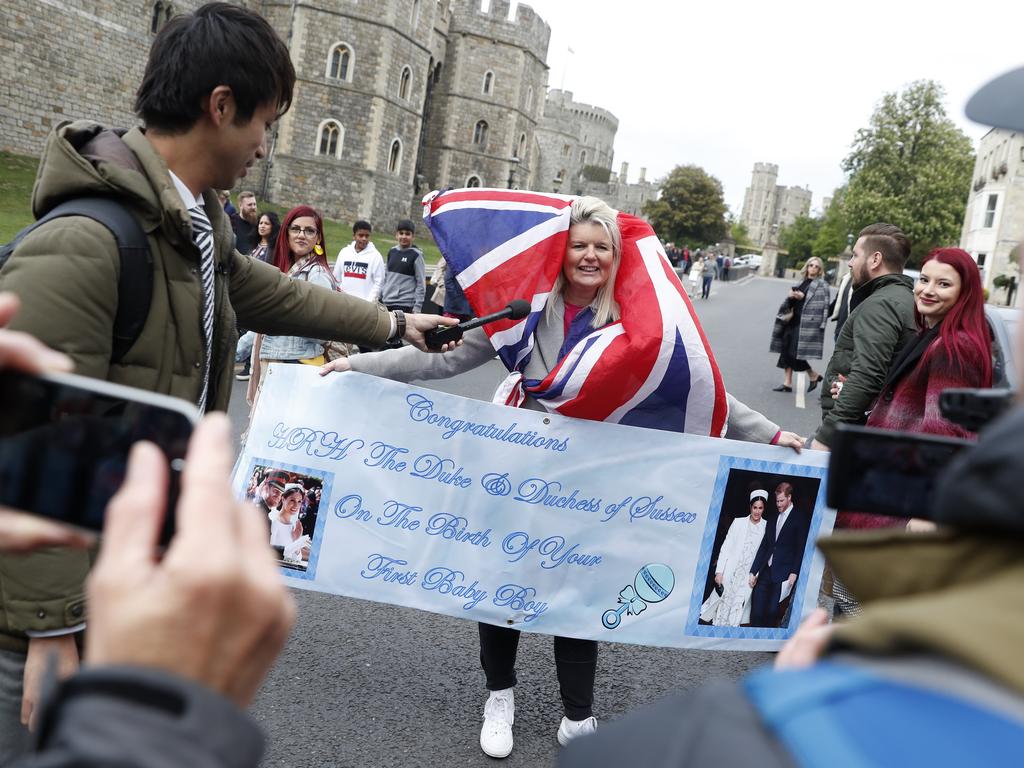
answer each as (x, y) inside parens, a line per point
(64, 443)
(973, 409)
(887, 473)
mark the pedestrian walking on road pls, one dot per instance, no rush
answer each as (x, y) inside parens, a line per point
(799, 332)
(841, 303)
(706, 276)
(695, 273)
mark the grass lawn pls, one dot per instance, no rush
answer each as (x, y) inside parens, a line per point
(17, 174)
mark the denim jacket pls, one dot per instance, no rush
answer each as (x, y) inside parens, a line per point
(298, 347)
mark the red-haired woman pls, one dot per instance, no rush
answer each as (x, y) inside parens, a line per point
(299, 253)
(953, 349)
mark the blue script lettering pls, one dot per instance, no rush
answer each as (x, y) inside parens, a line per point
(383, 567)
(384, 456)
(517, 598)
(455, 528)
(449, 582)
(351, 508)
(315, 442)
(398, 515)
(536, 490)
(647, 507)
(421, 409)
(552, 551)
(431, 467)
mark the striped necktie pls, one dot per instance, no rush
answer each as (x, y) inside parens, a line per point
(202, 235)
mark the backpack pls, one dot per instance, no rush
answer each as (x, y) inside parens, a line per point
(135, 283)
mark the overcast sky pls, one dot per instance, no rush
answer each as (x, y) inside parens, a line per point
(727, 83)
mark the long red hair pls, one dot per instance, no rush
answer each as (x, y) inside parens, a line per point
(963, 333)
(282, 248)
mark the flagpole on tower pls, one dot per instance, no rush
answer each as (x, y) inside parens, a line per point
(565, 66)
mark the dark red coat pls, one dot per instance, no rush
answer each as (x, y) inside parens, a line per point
(909, 402)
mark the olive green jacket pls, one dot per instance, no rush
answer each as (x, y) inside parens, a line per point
(951, 594)
(66, 272)
(880, 324)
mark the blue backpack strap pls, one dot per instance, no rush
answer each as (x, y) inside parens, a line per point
(135, 280)
(841, 716)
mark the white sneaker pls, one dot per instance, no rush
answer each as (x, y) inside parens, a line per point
(570, 729)
(499, 714)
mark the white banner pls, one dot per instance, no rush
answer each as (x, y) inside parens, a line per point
(405, 495)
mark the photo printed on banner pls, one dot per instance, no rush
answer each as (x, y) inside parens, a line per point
(290, 498)
(757, 550)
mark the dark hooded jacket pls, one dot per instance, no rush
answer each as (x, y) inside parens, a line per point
(65, 273)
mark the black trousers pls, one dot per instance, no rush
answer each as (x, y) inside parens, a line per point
(575, 664)
(764, 602)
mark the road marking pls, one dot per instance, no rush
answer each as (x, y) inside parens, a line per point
(801, 388)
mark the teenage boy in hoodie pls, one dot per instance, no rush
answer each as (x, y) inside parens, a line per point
(360, 268)
(405, 283)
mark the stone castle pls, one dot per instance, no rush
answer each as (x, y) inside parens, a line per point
(768, 206)
(393, 98)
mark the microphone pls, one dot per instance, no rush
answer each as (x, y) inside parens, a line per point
(435, 338)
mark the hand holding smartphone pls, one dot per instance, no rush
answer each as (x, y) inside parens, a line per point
(65, 439)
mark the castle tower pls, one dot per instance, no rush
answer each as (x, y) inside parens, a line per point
(349, 144)
(758, 213)
(572, 136)
(487, 99)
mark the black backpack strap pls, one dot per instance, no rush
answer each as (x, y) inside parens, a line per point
(135, 284)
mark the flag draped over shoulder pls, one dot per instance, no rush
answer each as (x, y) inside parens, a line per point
(652, 368)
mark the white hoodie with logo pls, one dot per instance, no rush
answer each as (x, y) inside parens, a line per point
(360, 273)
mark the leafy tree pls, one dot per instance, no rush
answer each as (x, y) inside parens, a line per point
(799, 237)
(911, 167)
(738, 232)
(832, 234)
(596, 173)
(691, 208)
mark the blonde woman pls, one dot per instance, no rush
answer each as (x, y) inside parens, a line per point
(799, 332)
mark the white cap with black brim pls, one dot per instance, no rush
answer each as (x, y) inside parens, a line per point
(1000, 103)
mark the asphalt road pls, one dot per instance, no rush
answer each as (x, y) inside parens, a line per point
(365, 684)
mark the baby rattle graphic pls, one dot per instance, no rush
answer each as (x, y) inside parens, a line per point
(653, 583)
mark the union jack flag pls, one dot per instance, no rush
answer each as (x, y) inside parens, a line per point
(652, 368)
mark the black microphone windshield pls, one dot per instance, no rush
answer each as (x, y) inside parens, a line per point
(520, 308)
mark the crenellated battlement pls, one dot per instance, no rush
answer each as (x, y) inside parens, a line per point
(558, 99)
(527, 30)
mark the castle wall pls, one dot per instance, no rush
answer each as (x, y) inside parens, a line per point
(573, 135)
(513, 54)
(368, 103)
(70, 60)
(448, 46)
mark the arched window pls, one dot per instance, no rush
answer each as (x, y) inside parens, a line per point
(162, 13)
(395, 157)
(437, 72)
(403, 84)
(488, 83)
(330, 137)
(341, 62)
(480, 134)
(529, 100)
(473, 181)
(583, 157)
(414, 16)
(521, 147)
